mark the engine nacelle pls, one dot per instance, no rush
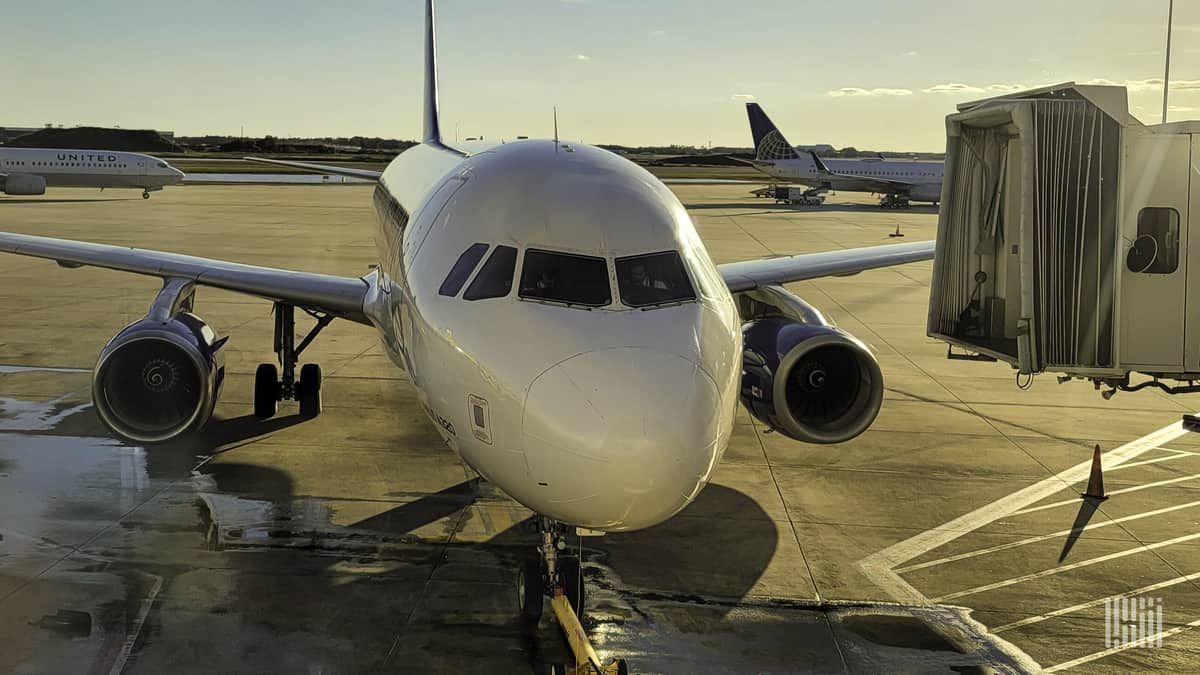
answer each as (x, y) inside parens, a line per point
(23, 184)
(811, 382)
(925, 192)
(157, 380)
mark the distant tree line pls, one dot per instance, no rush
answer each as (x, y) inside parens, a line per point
(316, 146)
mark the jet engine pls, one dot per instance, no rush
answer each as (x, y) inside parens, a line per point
(23, 184)
(804, 377)
(159, 379)
(926, 192)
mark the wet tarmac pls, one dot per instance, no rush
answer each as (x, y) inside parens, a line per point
(940, 541)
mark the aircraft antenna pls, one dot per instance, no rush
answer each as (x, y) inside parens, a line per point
(556, 126)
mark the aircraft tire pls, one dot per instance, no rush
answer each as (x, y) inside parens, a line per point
(531, 591)
(308, 390)
(572, 584)
(266, 391)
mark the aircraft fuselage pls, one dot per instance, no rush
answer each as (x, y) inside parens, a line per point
(610, 417)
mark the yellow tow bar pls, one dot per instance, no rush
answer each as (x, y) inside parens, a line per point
(586, 661)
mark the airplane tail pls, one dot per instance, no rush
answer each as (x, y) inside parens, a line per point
(769, 142)
(432, 134)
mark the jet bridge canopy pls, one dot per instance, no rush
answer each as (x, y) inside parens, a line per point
(1062, 237)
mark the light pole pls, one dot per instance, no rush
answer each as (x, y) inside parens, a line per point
(1167, 68)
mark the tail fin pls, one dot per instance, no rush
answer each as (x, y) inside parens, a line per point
(433, 130)
(769, 142)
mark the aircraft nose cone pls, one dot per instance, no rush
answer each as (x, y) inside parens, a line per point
(621, 439)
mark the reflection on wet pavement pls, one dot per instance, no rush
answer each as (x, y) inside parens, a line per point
(188, 558)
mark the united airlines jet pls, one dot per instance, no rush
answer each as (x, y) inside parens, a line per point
(29, 171)
(897, 182)
(564, 327)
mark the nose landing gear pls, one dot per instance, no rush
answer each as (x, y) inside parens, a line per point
(556, 574)
(146, 191)
(270, 387)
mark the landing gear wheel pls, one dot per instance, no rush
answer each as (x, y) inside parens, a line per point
(309, 390)
(266, 391)
(531, 590)
(145, 195)
(572, 584)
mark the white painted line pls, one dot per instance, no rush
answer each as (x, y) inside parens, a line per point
(1064, 568)
(1122, 491)
(136, 629)
(1043, 537)
(1156, 460)
(1116, 650)
(878, 567)
(1093, 603)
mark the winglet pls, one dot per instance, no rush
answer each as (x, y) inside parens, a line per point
(433, 131)
(821, 168)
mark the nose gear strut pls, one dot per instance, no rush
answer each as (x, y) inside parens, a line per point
(556, 574)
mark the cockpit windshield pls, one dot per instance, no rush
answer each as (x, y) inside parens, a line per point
(565, 277)
(655, 279)
(162, 165)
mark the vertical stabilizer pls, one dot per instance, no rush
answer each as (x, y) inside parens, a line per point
(433, 130)
(769, 142)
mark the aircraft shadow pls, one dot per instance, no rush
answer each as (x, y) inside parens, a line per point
(176, 459)
(61, 201)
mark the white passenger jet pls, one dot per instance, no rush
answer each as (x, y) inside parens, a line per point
(565, 329)
(29, 171)
(897, 182)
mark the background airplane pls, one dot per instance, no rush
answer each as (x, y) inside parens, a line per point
(898, 182)
(561, 320)
(29, 171)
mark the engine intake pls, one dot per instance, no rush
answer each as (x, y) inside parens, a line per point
(157, 380)
(812, 382)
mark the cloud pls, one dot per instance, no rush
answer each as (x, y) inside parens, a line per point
(952, 88)
(1148, 84)
(911, 52)
(743, 97)
(582, 57)
(658, 33)
(1006, 88)
(1181, 108)
(878, 91)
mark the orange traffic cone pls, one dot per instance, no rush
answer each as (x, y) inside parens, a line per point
(1095, 488)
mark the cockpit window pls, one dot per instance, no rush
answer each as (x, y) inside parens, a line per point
(462, 269)
(495, 277)
(162, 165)
(564, 277)
(654, 279)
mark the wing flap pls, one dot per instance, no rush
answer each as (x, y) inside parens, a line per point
(751, 274)
(341, 296)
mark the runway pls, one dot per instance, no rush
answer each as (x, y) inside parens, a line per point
(949, 536)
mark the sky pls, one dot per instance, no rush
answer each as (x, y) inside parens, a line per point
(873, 75)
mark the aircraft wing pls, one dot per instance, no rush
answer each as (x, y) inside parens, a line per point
(751, 274)
(320, 168)
(339, 296)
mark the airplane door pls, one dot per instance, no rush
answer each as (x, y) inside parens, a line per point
(1153, 261)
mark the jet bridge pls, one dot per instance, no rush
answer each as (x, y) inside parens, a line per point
(1063, 239)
